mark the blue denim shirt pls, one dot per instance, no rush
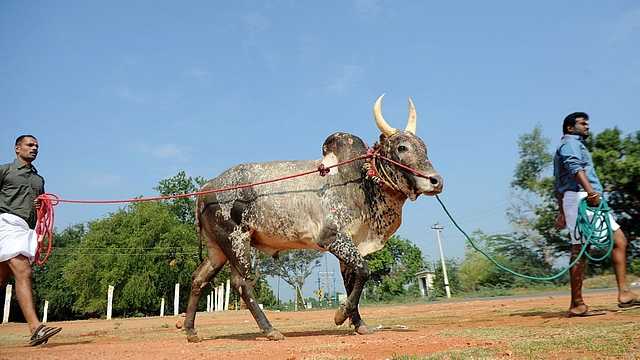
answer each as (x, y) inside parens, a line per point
(571, 157)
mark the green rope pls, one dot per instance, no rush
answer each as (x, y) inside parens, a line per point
(597, 232)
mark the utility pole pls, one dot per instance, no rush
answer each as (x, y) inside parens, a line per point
(326, 267)
(444, 268)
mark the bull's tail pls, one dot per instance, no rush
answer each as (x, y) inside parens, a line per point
(199, 229)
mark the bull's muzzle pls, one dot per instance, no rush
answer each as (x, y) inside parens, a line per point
(436, 185)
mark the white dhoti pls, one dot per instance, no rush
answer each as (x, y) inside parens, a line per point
(16, 238)
(571, 203)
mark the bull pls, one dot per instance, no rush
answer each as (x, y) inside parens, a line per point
(350, 213)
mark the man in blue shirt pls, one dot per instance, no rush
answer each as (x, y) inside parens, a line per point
(576, 178)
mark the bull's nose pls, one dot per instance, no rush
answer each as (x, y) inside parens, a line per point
(436, 181)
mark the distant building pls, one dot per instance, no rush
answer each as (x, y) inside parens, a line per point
(425, 281)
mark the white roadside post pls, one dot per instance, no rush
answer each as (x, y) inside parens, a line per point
(45, 311)
(7, 304)
(221, 298)
(109, 302)
(162, 307)
(215, 298)
(176, 299)
(226, 299)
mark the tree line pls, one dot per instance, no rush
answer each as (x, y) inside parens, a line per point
(145, 248)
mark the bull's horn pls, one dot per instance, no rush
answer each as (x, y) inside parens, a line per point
(382, 125)
(411, 124)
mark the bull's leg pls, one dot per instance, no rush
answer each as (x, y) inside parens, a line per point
(241, 281)
(349, 277)
(211, 265)
(355, 274)
(239, 254)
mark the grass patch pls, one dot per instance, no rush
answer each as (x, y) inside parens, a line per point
(463, 354)
(616, 339)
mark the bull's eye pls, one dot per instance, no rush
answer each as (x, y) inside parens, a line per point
(402, 148)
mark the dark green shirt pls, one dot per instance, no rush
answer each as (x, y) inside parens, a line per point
(19, 187)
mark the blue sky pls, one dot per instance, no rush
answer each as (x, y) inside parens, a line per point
(122, 94)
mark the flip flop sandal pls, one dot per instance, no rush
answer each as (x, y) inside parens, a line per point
(629, 304)
(42, 334)
(587, 312)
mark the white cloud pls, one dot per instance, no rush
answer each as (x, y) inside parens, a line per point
(346, 79)
(255, 25)
(159, 151)
(368, 8)
(255, 22)
(199, 73)
(131, 60)
(623, 28)
(133, 96)
(170, 98)
(100, 179)
(167, 151)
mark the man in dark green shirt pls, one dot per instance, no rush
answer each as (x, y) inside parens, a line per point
(20, 186)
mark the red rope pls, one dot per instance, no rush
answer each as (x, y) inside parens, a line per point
(404, 167)
(44, 228)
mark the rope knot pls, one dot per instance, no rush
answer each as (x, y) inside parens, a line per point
(323, 170)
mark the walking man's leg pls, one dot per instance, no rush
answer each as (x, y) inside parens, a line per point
(619, 259)
(21, 270)
(577, 277)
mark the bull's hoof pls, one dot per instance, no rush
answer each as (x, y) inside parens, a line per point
(274, 335)
(340, 317)
(194, 338)
(364, 330)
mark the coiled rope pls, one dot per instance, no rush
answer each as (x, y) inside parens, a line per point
(44, 226)
(593, 227)
(593, 224)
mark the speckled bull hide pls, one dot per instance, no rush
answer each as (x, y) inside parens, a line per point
(350, 212)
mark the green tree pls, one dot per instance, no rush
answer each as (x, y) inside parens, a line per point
(534, 211)
(617, 162)
(182, 207)
(393, 270)
(478, 273)
(292, 266)
(453, 275)
(142, 249)
(48, 283)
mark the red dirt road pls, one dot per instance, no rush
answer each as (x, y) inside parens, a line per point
(417, 329)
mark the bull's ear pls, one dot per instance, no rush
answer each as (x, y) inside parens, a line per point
(413, 118)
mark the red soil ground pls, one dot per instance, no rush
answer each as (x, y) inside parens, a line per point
(415, 329)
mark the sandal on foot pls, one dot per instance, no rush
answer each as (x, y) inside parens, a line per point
(629, 304)
(42, 334)
(587, 312)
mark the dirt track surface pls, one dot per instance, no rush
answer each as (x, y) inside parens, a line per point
(416, 329)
